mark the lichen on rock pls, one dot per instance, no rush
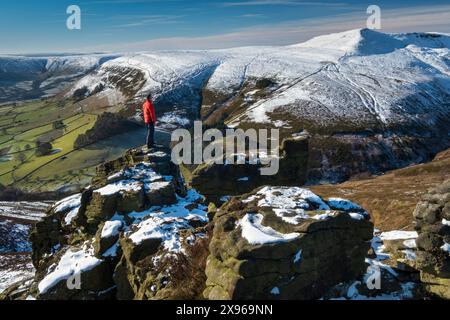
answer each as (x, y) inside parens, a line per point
(433, 256)
(122, 235)
(286, 238)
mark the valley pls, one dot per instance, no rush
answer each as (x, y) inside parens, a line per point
(363, 118)
(66, 168)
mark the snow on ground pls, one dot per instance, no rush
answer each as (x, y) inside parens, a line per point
(134, 179)
(173, 120)
(355, 42)
(378, 266)
(298, 257)
(162, 70)
(358, 69)
(14, 268)
(11, 276)
(257, 234)
(410, 243)
(406, 292)
(14, 237)
(398, 235)
(112, 252)
(39, 77)
(30, 211)
(77, 63)
(16, 220)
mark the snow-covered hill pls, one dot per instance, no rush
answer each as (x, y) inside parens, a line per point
(27, 77)
(383, 99)
(360, 77)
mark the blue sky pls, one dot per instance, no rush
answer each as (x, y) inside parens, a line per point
(134, 25)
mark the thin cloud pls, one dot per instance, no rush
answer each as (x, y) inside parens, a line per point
(280, 2)
(420, 19)
(252, 15)
(151, 20)
(123, 1)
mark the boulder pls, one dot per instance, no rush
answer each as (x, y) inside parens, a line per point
(124, 236)
(107, 236)
(75, 274)
(433, 244)
(215, 181)
(161, 193)
(101, 208)
(285, 243)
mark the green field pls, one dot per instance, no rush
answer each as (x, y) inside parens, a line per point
(66, 168)
(78, 167)
(22, 125)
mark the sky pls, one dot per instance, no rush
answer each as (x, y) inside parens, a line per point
(29, 26)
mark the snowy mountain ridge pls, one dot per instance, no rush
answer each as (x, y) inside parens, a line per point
(362, 76)
(17, 64)
(26, 77)
(370, 42)
(383, 98)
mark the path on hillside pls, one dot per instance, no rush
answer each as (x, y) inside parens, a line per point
(282, 89)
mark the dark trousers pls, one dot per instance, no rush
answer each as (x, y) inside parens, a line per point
(150, 135)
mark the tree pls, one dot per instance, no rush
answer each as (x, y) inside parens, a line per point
(59, 124)
(43, 148)
(4, 131)
(21, 157)
(27, 147)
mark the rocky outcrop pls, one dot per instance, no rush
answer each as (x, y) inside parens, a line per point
(390, 273)
(285, 243)
(137, 233)
(432, 218)
(123, 237)
(217, 182)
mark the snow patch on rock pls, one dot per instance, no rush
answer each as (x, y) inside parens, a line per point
(70, 264)
(111, 229)
(257, 234)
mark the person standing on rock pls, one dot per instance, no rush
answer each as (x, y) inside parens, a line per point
(150, 121)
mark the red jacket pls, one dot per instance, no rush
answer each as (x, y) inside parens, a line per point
(149, 112)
